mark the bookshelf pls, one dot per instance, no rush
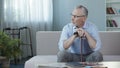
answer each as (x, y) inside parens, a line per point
(112, 15)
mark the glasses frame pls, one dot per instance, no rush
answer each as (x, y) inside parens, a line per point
(76, 16)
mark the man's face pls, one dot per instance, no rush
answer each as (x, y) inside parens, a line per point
(78, 17)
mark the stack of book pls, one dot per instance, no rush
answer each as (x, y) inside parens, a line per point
(111, 23)
(111, 10)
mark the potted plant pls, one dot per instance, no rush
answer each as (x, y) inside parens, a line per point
(8, 49)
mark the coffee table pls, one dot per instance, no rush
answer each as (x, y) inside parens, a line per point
(112, 64)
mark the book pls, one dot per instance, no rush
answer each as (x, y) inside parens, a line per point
(110, 10)
(51, 67)
(75, 64)
(81, 64)
(107, 23)
(115, 10)
(114, 23)
(110, 22)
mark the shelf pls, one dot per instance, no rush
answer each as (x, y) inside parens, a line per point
(111, 2)
(113, 15)
(113, 27)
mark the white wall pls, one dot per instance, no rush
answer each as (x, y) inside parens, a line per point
(63, 8)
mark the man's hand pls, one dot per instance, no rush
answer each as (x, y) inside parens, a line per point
(81, 32)
(91, 40)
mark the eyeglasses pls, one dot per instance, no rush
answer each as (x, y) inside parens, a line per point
(75, 16)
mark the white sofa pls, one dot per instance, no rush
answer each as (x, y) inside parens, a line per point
(47, 47)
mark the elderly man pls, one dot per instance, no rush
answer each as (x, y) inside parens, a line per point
(73, 34)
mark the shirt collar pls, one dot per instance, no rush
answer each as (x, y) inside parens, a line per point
(85, 25)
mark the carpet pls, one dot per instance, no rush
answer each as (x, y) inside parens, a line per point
(15, 66)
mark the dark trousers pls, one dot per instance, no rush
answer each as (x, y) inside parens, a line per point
(64, 56)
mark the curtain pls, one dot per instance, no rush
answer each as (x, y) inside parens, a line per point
(35, 14)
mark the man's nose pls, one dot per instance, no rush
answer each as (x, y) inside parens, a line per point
(73, 18)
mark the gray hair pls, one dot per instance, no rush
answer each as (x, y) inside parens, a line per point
(83, 8)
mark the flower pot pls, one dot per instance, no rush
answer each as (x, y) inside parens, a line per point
(5, 62)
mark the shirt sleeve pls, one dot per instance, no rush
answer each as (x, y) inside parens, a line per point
(96, 36)
(63, 37)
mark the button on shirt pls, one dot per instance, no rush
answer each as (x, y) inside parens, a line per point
(68, 31)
